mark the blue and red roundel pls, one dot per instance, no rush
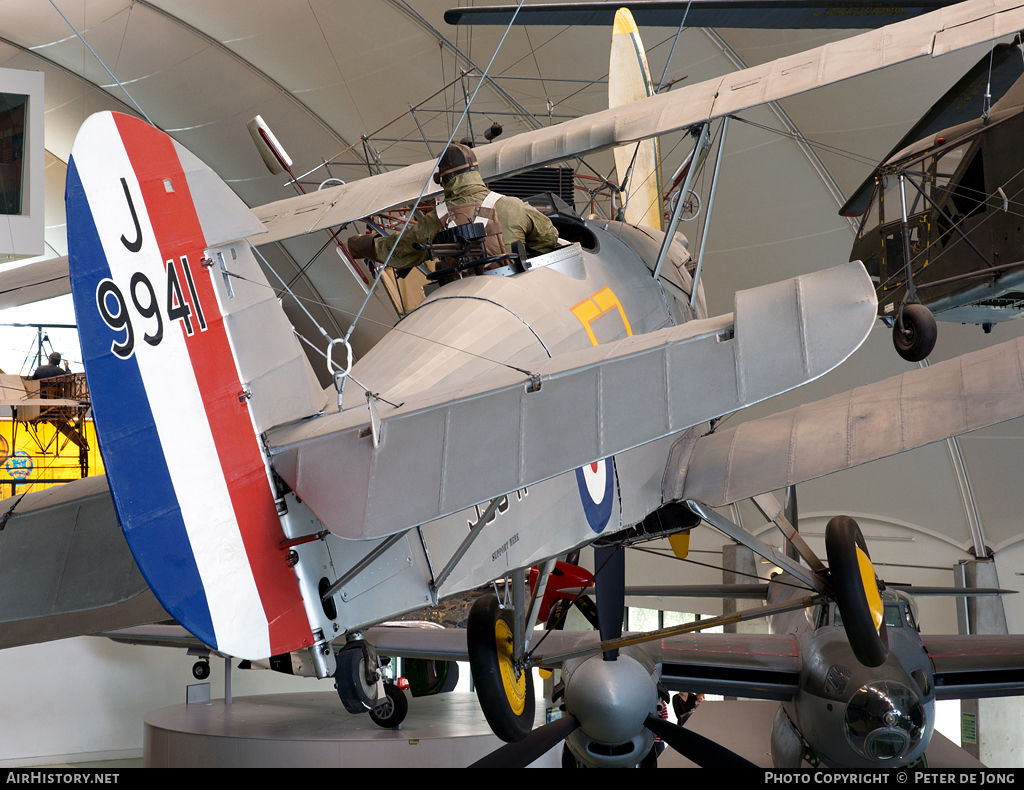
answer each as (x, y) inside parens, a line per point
(595, 482)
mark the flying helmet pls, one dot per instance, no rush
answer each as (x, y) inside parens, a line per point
(456, 159)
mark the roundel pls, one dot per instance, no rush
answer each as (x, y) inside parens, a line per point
(595, 484)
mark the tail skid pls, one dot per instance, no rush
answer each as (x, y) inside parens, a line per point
(186, 367)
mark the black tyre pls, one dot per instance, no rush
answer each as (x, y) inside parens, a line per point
(201, 670)
(356, 694)
(917, 339)
(506, 696)
(856, 590)
(392, 711)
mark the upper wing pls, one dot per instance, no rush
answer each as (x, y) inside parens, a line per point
(768, 14)
(953, 397)
(763, 666)
(935, 34)
(781, 336)
(976, 666)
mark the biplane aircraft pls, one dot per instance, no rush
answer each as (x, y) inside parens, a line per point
(939, 232)
(504, 422)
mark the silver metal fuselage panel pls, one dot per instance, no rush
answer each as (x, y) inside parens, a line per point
(470, 329)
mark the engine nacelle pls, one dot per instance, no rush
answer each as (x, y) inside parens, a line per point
(787, 745)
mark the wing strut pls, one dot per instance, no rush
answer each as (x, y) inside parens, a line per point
(707, 217)
(474, 533)
(772, 510)
(740, 535)
(702, 143)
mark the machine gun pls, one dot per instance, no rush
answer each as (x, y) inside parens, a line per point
(464, 245)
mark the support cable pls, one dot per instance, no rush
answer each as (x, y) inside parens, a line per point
(104, 65)
(408, 219)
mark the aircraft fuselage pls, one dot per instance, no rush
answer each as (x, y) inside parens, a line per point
(604, 291)
(851, 715)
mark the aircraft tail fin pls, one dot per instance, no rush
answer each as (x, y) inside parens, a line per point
(189, 358)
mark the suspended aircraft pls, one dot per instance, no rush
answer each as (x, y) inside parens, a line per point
(940, 231)
(770, 14)
(264, 513)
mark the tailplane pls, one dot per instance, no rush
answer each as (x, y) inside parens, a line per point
(189, 358)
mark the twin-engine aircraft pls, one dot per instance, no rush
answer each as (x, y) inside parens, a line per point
(504, 422)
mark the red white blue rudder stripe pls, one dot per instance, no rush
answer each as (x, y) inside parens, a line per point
(186, 470)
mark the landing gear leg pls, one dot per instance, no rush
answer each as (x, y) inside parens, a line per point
(914, 331)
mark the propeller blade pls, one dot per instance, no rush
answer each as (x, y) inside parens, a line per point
(696, 748)
(792, 512)
(524, 752)
(610, 580)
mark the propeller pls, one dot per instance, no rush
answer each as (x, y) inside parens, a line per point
(524, 752)
(610, 581)
(696, 748)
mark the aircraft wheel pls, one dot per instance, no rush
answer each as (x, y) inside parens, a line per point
(201, 670)
(917, 339)
(506, 696)
(356, 694)
(392, 711)
(856, 590)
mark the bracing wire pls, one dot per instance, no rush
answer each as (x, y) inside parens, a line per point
(426, 184)
(104, 65)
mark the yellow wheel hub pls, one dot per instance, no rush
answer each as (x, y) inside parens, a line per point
(867, 576)
(515, 687)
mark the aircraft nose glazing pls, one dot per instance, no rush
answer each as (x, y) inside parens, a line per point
(884, 721)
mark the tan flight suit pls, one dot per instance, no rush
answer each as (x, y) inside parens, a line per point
(466, 199)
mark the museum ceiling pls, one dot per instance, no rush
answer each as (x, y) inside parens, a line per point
(324, 74)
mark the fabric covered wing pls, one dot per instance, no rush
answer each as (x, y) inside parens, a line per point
(956, 396)
(762, 666)
(976, 666)
(34, 282)
(933, 34)
(768, 14)
(65, 568)
(581, 407)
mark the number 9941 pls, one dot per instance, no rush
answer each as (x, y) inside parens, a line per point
(113, 308)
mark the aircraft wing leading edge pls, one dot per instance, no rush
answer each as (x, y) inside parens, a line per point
(935, 34)
(767, 14)
(959, 395)
(761, 666)
(576, 409)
